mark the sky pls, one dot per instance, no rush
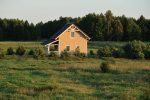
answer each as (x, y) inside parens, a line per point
(46, 10)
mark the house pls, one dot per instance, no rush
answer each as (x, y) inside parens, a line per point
(68, 38)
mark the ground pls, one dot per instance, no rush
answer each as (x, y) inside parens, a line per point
(54, 79)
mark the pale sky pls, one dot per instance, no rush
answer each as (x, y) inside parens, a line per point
(45, 10)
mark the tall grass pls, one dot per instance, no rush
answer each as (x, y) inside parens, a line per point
(50, 79)
(54, 79)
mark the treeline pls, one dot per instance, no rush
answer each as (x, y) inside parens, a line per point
(100, 27)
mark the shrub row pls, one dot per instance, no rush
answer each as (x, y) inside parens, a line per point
(36, 53)
(39, 52)
(133, 50)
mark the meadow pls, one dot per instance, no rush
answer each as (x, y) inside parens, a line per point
(56, 79)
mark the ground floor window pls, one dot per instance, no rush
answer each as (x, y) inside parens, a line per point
(53, 47)
(67, 48)
(77, 48)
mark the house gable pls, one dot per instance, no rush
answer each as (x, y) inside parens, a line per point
(68, 27)
(79, 39)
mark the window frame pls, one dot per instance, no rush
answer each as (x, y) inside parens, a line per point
(66, 47)
(72, 34)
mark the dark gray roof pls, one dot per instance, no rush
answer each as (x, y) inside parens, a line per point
(60, 31)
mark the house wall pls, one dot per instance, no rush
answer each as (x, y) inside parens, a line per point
(65, 39)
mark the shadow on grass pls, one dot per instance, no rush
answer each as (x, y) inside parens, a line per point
(95, 78)
(34, 71)
(76, 70)
(47, 88)
(25, 69)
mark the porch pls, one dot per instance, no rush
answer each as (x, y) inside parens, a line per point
(52, 47)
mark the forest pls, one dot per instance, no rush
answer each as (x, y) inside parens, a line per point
(100, 27)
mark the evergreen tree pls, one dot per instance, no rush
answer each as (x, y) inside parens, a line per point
(117, 30)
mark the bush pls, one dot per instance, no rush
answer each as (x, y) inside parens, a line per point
(38, 53)
(147, 54)
(105, 67)
(31, 52)
(77, 53)
(10, 51)
(140, 55)
(20, 50)
(2, 54)
(91, 52)
(81, 55)
(146, 94)
(147, 51)
(53, 54)
(135, 49)
(104, 52)
(65, 54)
(118, 52)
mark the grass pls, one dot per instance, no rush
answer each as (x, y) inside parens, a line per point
(48, 79)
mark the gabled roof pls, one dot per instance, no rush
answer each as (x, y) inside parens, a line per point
(60, 31)
(65, 28)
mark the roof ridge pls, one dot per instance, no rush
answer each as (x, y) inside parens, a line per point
(66, 26)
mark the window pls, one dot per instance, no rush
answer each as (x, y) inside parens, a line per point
(72, 34)
(67, 48)
(77, 49)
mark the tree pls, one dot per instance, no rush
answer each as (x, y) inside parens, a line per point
(94, 24)
(145, 28)
(109, 20)
(88, 25)
(117, 30)
(124, 22)
(133, 30)
(97, 26)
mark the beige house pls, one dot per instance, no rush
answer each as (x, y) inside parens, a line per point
(69, 38)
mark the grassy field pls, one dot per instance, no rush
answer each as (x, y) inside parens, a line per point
(49, 79)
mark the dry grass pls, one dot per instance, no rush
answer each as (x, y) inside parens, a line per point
(127, 64)
(54, 79)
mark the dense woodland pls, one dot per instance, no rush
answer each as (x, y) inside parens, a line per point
(100, 27)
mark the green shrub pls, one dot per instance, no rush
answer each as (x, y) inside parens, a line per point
(65, 54)
(53, 55)
(146, 95)
(104, 52)
(147, 51)
(82, 55)
(118, 52)
(140, 55)
(38, 53)
(10, 51)
(77, 53)
(2, 54)
(105, 67)
(147, 54)
(135, 49)
(91, 52)
(20, 50)
(31, 52)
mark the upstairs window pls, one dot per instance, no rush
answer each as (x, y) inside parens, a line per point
(72, 34)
